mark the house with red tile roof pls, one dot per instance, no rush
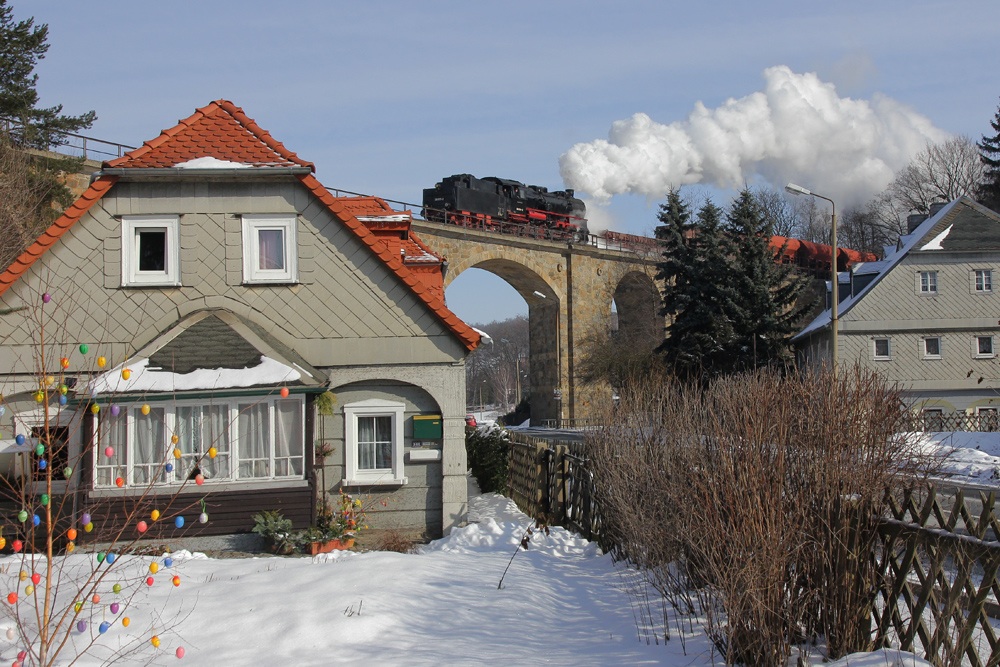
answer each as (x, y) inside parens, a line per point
(223, 332)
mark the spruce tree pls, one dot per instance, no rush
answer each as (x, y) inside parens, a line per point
(989, 153)
(698, 296)
(768, 291)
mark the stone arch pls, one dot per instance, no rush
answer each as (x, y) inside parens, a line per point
(546, 333)
(638, 302)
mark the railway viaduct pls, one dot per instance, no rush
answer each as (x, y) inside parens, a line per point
(569, 289)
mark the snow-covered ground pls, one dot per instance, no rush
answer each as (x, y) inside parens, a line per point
(965, 457)
(562, 602)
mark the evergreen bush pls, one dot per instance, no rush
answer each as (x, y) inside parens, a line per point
(487, 449)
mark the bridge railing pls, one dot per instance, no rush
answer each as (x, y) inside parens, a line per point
(75, 145)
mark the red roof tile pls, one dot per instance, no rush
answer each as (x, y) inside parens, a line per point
(55, 231)
(220, 130)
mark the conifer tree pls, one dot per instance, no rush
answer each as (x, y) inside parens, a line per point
(989, 153)
(768, 291)
(698, 296)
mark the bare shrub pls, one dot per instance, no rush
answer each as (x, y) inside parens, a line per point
(394, 540)
(763, 491)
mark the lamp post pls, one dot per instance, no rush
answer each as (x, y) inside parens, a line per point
(793, 189)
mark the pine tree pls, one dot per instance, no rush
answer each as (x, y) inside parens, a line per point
(989, 153)
(698, 296)
(33, 193)
(768, 290)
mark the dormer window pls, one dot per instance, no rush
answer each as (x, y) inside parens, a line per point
(269, 249)
(150, 251)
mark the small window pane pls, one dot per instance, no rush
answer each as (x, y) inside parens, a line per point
(254, 425)
(375, 443)
(985, 344)
(984, 280)
(881, 347)
(271, 245)
(932, 347)
(152, 249)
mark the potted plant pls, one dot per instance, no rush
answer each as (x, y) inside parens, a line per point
(335, 528)
(276, 531)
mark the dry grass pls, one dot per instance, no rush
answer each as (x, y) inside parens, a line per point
(762, 490)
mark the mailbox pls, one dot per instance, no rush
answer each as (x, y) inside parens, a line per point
(427, 427)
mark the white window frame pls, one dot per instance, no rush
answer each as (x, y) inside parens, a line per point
(993, 414)
(354, 476)
(131, 275)
(976, 348)
(982, 280)
(163, 479)
(888, 344)
(925, 353)
(927, 283)
(252, 224)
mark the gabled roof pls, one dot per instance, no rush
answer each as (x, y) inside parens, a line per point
(222, 131)
(960, 226)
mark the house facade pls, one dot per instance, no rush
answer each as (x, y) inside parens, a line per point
(209, 327)
(927, 315)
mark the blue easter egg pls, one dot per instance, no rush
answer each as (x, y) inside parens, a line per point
(20, 439)
(110, 558)
(179, 522)
(103, 627)
(35, 519)
(168, 561)
(169, 467)
(42, 464)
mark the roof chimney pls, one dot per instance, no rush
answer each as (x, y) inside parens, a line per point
(913, 221)
(937, 206)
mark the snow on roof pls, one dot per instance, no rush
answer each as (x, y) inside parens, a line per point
(395, 217)
(211, 163)
(482, 334)
(935, 243)
(883, 267)
(144, 378)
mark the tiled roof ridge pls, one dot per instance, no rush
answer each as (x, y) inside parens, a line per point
(204, 112)
(74, 212)
(463, 331)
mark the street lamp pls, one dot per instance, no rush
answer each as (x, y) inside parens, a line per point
(797, 190)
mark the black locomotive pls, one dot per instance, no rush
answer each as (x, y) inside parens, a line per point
(507, 206)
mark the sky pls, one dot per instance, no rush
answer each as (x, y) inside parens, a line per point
(620, 100)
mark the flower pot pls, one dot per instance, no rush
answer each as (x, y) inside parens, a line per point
(331, 545)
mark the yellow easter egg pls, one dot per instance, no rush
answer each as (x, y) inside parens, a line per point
(89, 527)
(95, 408)
(101, 362)
(126, 373)
(174, 439)
(154, 515)
(29, 589)
(212, 452)
(23, 575)
(154, 568)
(144, 409)
(155, 641)
(125, 621)
(177, 453)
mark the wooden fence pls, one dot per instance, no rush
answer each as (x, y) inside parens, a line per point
(937, 555)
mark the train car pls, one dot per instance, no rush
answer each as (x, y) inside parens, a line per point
(505, 205)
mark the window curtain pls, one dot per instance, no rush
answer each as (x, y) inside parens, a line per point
(147, 450)
(287, 438)
(113, 434)
(271, 249)
(215, 433)
(375, 443)
(254, 429)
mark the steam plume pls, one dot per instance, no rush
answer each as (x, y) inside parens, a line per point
(797, 129)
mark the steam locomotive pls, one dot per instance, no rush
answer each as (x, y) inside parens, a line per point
(512, 207)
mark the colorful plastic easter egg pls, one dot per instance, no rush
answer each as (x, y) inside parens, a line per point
(39, 397)
(3, 541)
(176, 580)
(39, 449)
(174, 439)
(142, 526)
(81, 625)
(97, 599)
(114, 607)
(155, 641)
(11, 633)
(117, 588)
(115, 409)
(50, 380)
(179, 652)
(144, 409)
(102, 362)
(63, 389)
(36, 578)
(21, 655)
(109, 451)
(44, 498)
(46, 297)
(95, 408)
(154, 567)
(70, 547)
(203, 517)
(71, 534)
(177, 453)
(12, 598)
(149, 581)
(168, 561)
(89, 527)
(67, 472)
(64, 362)
(42, 464)
(284, 392)
(119, 482)
(100, 556)
(36, 520)
(84, 519)
(110, 558)
(199, 479)
(77, 606)
(20, 439)
(63, 400)
(84, 348)
(23, 575)
(169, 467)
(29, 589)
(212, 452)
(126, 373)
(179, 522)
(103, 627)
(125, 621)
(17, 545)
(22, 516)
(154, 515)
